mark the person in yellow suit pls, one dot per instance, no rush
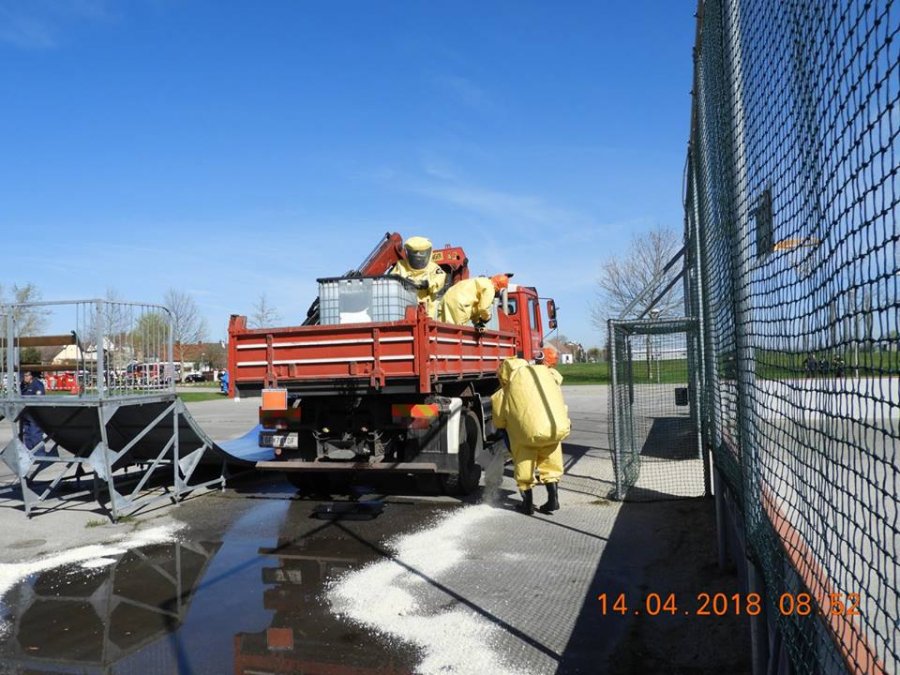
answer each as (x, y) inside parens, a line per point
(420, 269)
(470, 300)
(529, 405)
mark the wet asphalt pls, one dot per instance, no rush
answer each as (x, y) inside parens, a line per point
(243, 584)
(241, 589)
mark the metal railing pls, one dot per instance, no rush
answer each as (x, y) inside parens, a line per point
(94, 349)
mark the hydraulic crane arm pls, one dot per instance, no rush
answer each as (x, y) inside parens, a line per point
(386, 254)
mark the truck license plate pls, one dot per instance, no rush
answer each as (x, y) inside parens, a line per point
(285, 440)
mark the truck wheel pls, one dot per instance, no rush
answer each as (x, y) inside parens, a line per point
(470, 443)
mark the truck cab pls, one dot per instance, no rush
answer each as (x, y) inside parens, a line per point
(523, 311)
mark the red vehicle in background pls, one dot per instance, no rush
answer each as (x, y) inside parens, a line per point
(371, 383)
(149, 374)
(61, 381)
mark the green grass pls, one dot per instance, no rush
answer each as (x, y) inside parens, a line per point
(584, 373)
(662, 372)
(122, 520)
(772, 365)
(194, 396)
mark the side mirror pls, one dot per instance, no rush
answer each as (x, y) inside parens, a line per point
(551, 313)
(552, 324)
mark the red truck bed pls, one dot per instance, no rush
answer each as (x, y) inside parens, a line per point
(415, 354)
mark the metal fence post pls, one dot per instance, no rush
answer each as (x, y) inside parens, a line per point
(613, 407)
(100, 348)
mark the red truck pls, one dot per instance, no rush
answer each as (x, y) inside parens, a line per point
(370, 382)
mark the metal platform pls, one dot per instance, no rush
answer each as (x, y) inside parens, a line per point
(118, 423)
(121, 448)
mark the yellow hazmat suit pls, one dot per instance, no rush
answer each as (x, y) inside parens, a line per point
(468, 301)
(418, 267)
(530, 406)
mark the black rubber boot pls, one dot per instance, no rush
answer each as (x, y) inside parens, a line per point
(527, 505)
(552, 499)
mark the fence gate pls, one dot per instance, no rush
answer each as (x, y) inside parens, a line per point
(654, 405)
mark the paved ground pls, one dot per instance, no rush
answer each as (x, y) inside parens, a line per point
(265, 584)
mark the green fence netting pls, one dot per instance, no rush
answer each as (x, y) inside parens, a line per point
(791, 210)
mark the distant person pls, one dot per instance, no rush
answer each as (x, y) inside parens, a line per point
(811, 365)
(838, 366)
(529, 406)
(420, 269)
(471, 300)
(31, 432)
(223, 382)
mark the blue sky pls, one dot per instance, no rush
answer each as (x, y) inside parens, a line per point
(230, 149)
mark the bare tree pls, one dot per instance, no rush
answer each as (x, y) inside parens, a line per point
(188, 326)
(28, 320)
(263, 313)
(150, 336)
(114, 318)
(623, 278)
(117, 319)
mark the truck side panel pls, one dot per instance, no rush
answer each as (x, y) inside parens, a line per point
(459, 352)
(371, 354)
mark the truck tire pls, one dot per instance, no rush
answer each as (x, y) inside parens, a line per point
(465, 480)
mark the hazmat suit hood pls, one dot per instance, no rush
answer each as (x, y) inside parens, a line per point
(507, 368)
(418, 252)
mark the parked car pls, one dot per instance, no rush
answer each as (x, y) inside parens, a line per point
(192, 378)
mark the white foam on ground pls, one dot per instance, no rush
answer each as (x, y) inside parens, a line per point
(379, 597)
(12, 573)
(97, 563)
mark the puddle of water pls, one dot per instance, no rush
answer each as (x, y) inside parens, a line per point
(251, 601)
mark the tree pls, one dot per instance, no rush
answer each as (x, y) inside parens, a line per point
(594, 354)
(623, 278)
(30, 356)
(215, 356)
(28, 320)
(559, 341)
(116, 319)
(188, 326)
(263, 313)
(150, 336)
(117, 314)
(110, 324)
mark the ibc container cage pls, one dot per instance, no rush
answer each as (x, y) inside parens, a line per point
(364, 299)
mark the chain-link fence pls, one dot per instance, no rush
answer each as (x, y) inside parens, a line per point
(791, 204)
(653, 410)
